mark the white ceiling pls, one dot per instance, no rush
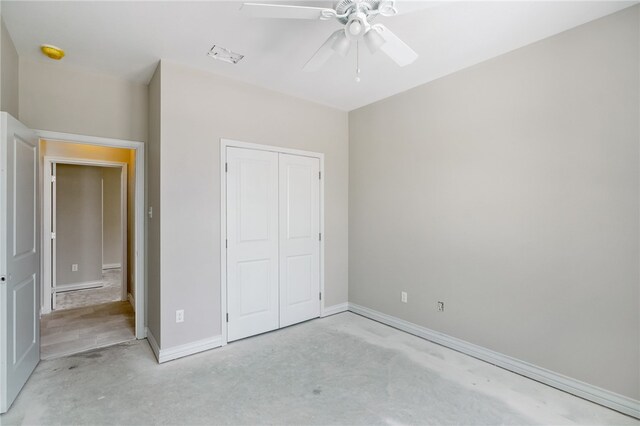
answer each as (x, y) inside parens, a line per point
(126, 39)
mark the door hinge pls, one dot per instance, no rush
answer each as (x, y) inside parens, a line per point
(319, 175)
(227, 317)
(226, 243)
(53, 178)
(226, 167)
(320, 236)
(320, 295)
(53, 235)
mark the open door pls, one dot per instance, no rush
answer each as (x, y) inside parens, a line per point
(19, 258)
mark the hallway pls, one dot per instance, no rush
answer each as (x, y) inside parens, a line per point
(111, 291)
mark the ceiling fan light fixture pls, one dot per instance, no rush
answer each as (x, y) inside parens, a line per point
(354, 28)
(52, 52)
(374, 40)
(341, 44)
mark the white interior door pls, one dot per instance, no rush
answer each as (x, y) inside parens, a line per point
(19, 259)
(252, 242)
(299, 238)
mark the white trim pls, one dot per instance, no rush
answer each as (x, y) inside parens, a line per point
(79, 286)
(140, 281)
(49, 281)
(224, 143)
(48, 261)
(260, 147)
(124, 225)
(164, 355)
(335, 309)
(576, 387)
(180, 351)
(132, 301)
(111, 266)
(153, 343)
(101, 221)
(87, 140)
(223, 241)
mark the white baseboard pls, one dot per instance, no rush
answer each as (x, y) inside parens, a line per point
(153, 343)
(79, 286)
(164, 355)
(335, 309)
(132, 301)
(111, 266)
(593, 393)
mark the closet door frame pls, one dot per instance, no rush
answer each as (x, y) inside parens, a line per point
(224, 144)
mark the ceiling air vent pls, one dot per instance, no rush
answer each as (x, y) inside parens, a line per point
(225, 55)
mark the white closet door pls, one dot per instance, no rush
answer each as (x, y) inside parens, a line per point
(299, 239)
(252, 234)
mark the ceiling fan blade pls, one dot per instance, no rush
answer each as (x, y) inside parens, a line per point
(259, 10)
(410, 6)
(395, 48)
(323, 54)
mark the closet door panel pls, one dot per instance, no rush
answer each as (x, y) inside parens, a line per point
(299, 238)
(252, 242)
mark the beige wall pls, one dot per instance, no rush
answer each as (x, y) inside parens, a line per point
(9, 76)
(153, 202)
(78, 224)
(111, 212)
(510, 191)
(198, 109)
(58, 98)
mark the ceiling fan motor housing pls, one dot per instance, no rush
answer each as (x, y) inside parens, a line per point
(364, 6)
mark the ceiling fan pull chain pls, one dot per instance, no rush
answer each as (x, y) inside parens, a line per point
(357, 62)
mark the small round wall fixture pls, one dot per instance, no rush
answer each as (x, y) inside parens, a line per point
(52, 52)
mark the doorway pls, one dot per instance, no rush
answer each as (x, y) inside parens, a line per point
(86, 207)
(91, 229)
(22, 239)
(272, 221)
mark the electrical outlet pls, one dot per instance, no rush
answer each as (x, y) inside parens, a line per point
(441, 306)
(74, 267)
(403, 297)
(180, 315)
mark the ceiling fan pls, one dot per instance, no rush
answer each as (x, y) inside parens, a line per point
(356, 16)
